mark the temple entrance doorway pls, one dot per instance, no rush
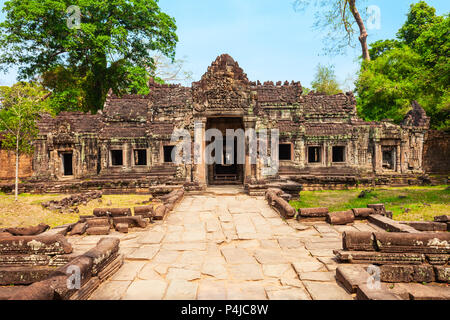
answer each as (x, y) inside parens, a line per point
(228, 171)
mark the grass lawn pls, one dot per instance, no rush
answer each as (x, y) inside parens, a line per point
(407, 203)
(29, 212)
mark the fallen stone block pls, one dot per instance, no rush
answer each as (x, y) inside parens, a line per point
(111, 268)
(426, 292)
(437, 259)
(112, 212)
(23, 275)
(444, 218)
(283, 207)
(389, 224)
(351, 277)
(426, 225)
(24, 260)
(7, 292)
(362, 213)
(407, 273)
(144, 211)
(438, 243)
(4, 234)
(122, 227)
(340, 217)
(82, 264)
(49, 245)
(313, 212)
(36, 291)
(442, 273)
(98, 231)
(83, 218)
(358, 241)
(61, 230)
(105, 252)
(133, 222)
(378, 207)
(378, 258)
(364, 292)
(97, 222)
(86, 290)
(28, 231)
(79, 229)
(160, 212)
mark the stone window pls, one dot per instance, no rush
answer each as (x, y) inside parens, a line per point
(140, 157)
(67, 163)
(117, 157)
(168, 154)
(285, 151)
(338, 154)
(314, 154)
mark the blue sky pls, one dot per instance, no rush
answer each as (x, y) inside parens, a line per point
(267, 37)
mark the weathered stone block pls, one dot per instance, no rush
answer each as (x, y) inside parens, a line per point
(79, 229)
(28, 231)
(99, 231)
(50, 245)
(379, 258)
(351, 277)
(362, 213)
(358, 241)
(313, 213)
(122, 227)
(444, 218)
(413, 242)
(365, 293)
(442, 273)
(23, 275)
(134, 222)
(341, 217)
(112, 212)
(389, 224)
(426, 225)
(407, 273)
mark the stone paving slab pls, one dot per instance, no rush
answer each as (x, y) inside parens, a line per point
(231, 247)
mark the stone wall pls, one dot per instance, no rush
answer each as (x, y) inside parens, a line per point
(8, 165)
(436, 153)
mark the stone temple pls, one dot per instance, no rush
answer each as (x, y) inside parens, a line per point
(323, 143)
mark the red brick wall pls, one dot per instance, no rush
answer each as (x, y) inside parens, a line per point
(8, 165)
(436, 153)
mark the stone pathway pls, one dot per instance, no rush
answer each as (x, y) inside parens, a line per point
(226, 247)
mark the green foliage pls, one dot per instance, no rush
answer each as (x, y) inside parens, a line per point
(325, 80)
(111, 49)
(413, 67)
(407, 203)
(21, 105)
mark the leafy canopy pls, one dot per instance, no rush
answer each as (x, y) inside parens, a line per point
(325, 80)
(415, 66)
(21, 105)
(112, 48)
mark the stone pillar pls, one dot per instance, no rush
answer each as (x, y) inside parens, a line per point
(199, 152)
(378, 158)
(249, 124)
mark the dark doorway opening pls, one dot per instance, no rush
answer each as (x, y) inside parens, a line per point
(388, 158)
(67, 160)
(168, 154)
(285, 151)
(230, 170)
(314, 155)
(140, 157)
(117, 157)
(338, 154)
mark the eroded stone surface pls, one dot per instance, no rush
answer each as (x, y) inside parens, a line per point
(226, 247)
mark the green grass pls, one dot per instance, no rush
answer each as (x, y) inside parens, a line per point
(27, 211)
(407, 203)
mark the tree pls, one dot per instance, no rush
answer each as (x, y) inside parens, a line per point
(415, 66)
(21, 105)
(111, 48)
(325, 80)
(167, 70)
(341, 18)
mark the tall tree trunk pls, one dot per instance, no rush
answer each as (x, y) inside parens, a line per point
(362, 30)
(16, 189)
